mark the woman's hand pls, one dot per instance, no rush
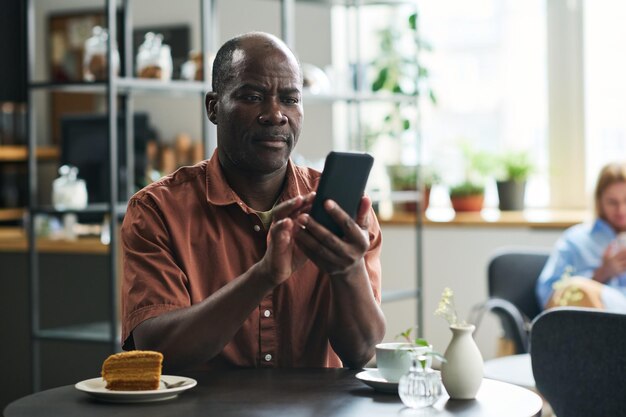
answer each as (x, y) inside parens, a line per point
(613, 264)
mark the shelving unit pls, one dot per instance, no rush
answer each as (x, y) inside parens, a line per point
(114, 87)
(123, 89)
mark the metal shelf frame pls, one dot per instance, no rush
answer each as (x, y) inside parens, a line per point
(115, 87)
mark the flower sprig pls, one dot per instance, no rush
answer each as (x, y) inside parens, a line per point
(447, 309)
(571, 294)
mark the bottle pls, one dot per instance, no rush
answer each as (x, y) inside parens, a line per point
(68, 191)
(154, 59)
(95, 61)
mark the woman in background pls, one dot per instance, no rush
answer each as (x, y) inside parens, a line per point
(588, 265)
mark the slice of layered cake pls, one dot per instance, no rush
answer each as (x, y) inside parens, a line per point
(136, 370)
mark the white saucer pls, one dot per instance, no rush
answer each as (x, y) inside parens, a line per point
(374, 379)
(96, 388)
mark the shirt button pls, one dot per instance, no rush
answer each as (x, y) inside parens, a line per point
(256, 227)
(267, 313)
(268, 357)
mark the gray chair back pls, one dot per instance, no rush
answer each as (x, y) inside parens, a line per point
(512, 276)
(579, 361)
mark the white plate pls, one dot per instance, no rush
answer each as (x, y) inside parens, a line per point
(96, 388)
(374, 379)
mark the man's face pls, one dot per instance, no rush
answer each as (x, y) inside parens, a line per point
(613, 205)
(259, 112)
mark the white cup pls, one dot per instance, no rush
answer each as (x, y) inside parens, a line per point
(394, 359)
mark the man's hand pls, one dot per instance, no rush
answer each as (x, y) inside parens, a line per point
(355, 326)
(613, 264)
(329, 252)
(283, 257)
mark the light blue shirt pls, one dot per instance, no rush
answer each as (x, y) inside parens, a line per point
(581, 247)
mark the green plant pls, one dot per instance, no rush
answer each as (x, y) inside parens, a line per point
(429, 176)
(397, 70)
(403, 177)
(406, 177)
(515, 166)
(466, 188)
(420, 342)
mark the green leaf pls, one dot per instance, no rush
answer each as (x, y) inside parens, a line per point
(431, 95)
(406, 124)
(413, 21)
(380, 80)
(421, 342)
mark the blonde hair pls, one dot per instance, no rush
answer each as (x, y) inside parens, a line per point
(610, 174)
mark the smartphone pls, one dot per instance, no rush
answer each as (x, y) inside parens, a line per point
(343, 181)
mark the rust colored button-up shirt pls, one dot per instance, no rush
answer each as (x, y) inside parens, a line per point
(188, 234)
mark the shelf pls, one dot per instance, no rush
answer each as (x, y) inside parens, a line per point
(98, 332)
(359, 98)
(14, 239)
(491, 218)
(139, 85)
(96, 208)
(396, 196)
(127, 85)
(17, 153)
(10, 214)
(353, 3)
(75, 87)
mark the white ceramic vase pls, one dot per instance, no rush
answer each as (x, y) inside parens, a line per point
(462, 373)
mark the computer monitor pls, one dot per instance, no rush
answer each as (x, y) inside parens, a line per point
(85, 145)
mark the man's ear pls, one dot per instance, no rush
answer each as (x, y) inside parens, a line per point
(210, 102)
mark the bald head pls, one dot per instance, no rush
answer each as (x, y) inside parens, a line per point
(237, 48)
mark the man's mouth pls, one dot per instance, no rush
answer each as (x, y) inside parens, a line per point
(272, 141)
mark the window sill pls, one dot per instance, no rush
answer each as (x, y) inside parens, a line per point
(531, 218)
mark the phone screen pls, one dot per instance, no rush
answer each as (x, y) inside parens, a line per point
(343, 181)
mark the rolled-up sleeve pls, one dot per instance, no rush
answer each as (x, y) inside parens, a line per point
(153, 283)
(559, 260)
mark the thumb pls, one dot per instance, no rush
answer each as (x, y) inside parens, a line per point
(279, 237)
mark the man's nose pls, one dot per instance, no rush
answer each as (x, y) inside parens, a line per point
(272, 114)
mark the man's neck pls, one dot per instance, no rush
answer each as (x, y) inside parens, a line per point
(258, 191)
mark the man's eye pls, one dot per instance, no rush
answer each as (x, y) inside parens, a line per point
(253, 98)
(290, 100)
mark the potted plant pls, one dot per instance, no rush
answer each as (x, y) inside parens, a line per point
(404, 178)
(467, 196)
(515, 167)
(428, 177)
(412, 178)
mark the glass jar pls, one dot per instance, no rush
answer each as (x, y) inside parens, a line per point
(95, 60)
(68, 191)
(421, 386)
(154, 59)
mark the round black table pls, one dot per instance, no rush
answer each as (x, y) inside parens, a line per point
(281, 392)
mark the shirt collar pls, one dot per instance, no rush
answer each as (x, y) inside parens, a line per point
(601, 226)
(219, 192)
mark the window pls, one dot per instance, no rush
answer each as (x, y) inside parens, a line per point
(488, 71)
(605, 85)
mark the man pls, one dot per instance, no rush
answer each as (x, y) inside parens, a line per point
(223, 266)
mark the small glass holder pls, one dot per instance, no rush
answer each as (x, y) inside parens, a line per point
(421, 386)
